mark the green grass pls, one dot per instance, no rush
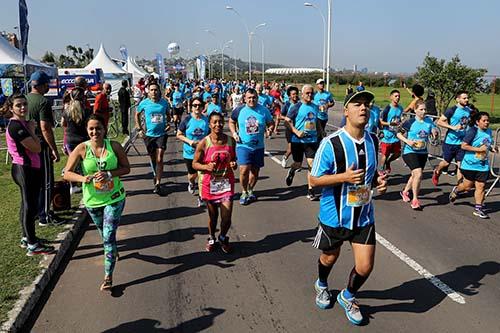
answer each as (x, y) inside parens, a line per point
(16, 269)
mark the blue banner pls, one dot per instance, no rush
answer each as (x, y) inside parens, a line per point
(161, 67)
(23, 27)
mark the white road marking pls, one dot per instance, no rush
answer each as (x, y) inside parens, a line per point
(452, 294)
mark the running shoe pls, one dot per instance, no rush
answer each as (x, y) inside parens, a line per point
(350, 307)
(201, 203)
(415, 204)
(210, 244)
(224, 244)
(453, 194)
(39, 248)
(289, 176)
(451, 173)
(191, 188)
(480, 213)
(107, 284)
(310, 195)
(51, 219)
(251, 197)
(435, 178)
(283, 161)
(23, 244)
(405, 196)
(323, 296)
(158, 190)
(244, 199)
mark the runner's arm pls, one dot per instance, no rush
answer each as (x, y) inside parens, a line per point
(198, 158)
(73, 160)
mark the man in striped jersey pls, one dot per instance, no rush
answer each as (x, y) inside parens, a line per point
(345, 166)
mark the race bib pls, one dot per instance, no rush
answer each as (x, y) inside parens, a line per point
(219, 186)
(358, 195)
(104, 186)
(420, 145)
(310, 126)
(156, 118)
(480, 156)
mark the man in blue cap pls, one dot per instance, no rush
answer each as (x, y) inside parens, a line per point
(40, 110)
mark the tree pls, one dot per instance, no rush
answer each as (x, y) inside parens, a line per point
(447, 78)
(80, 58)
(49, 58)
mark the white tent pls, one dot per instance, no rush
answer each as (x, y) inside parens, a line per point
(113, 73)
(134, 69)
(11, 62)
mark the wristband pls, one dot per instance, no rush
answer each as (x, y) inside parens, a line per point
(109, 174)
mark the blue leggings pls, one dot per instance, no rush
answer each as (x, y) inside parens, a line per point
(106, 219)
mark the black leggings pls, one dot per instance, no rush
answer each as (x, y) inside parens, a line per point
(29, 181)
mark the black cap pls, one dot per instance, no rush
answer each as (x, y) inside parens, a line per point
(351, 96)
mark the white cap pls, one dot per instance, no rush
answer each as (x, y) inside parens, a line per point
(318, 81)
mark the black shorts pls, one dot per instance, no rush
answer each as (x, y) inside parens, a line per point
(288, 135)
(329, 238)
(178, 111)
(301, 149)
(475, 176)
(415, 161)
(189, 166)
(153, 143)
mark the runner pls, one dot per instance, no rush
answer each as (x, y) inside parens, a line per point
(417, 93)
(455, 120)
(103, 163)
(345, 167)
(475, 166)
(155, 113)
(324, 100)
(302, 120)
(293, 98)
(248, 125)
(236, 98)
(390, 146)
(214, 106)
(178, 100)
(191, 131)
(276, 106)
(417, 130)
(215, 158)
(24, 147)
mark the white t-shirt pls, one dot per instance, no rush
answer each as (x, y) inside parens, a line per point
(237, 100)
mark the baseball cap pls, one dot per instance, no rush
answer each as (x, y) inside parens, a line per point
(39, 78)
(318, 81)
(357, 94)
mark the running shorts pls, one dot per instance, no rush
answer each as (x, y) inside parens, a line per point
(475, 176)
(387, 149)
(329, 238)
(451, 152)
(301, 149)
(153, 143)
(415, 161)
(247, 156)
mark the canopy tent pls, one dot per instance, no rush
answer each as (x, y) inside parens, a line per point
(11, 63)
(113, 74)
(134, 69)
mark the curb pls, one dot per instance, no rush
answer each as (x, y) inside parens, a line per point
(30, 295)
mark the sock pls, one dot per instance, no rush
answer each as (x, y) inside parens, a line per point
(323, 272)
(478, 206)
(355, 282)
(250, 191)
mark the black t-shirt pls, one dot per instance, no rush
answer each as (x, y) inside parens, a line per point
(124, 98)
(76, 133)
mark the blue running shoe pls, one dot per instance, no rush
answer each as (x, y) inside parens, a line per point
(244, 199)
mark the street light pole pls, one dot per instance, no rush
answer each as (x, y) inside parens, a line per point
(308, 4)
(262, 44)
(329, 45)
(222, 54)
(249, 42)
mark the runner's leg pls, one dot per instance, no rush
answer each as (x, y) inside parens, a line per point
(226, 210)
(213, 216)
(416, 176)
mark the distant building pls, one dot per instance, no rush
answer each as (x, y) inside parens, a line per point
(355, 68)
(364, 70)
(299, 70)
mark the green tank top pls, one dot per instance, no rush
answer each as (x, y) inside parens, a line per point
(98, 194)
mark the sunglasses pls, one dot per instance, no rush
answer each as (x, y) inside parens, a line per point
(196, 105)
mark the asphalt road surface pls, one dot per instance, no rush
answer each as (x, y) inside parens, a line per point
(436, 270)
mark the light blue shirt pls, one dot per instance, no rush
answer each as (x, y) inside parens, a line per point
(251, 125)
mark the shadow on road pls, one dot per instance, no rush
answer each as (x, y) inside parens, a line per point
(283, 193)
(151, 325)
(161, 215)
(419, 296)
(243, 249)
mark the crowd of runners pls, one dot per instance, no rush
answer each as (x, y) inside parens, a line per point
(345, 165)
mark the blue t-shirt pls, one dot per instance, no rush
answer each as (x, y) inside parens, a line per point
(418, 131)
(286, 106)
(265, 100)
(476, 137)
(389, 115)
(207, 97)
(374, 121)
(177, 99)
(251, 125)
(193, 129)
(213, 108)
(321, 99)
(336, 153)
(304, 117)
(155, 116)
(457, 116)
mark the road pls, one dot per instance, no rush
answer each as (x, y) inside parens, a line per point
(436, 270)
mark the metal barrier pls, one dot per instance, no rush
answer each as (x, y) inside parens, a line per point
(494, 169)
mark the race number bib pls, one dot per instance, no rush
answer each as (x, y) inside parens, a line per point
(219, 186)
(358, 195)
(104, 186)
(310, 126)
(480, 156)
(420, 145)
(156, 118)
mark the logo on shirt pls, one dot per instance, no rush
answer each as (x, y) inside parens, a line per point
(464, 121)
(252, 125)
(423, 134)
(198, 132)
(486, 142)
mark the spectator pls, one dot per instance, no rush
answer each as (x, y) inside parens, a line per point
(430, 103)
(101, 105)
(360, 86)
(124, 100)
(417, 93)
(349, 90)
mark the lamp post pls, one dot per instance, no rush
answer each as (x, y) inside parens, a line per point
(262, 44)
(226, 44)
(249, 41)
(308, 4)
(329, 45)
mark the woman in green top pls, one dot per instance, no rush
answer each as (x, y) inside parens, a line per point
(103, 162)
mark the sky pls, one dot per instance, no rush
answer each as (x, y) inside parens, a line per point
(383, 35)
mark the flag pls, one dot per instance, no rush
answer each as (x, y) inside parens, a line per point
(161, 67)
(23, 27)
(124, 53)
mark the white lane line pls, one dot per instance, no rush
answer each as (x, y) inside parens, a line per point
(452, 294)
